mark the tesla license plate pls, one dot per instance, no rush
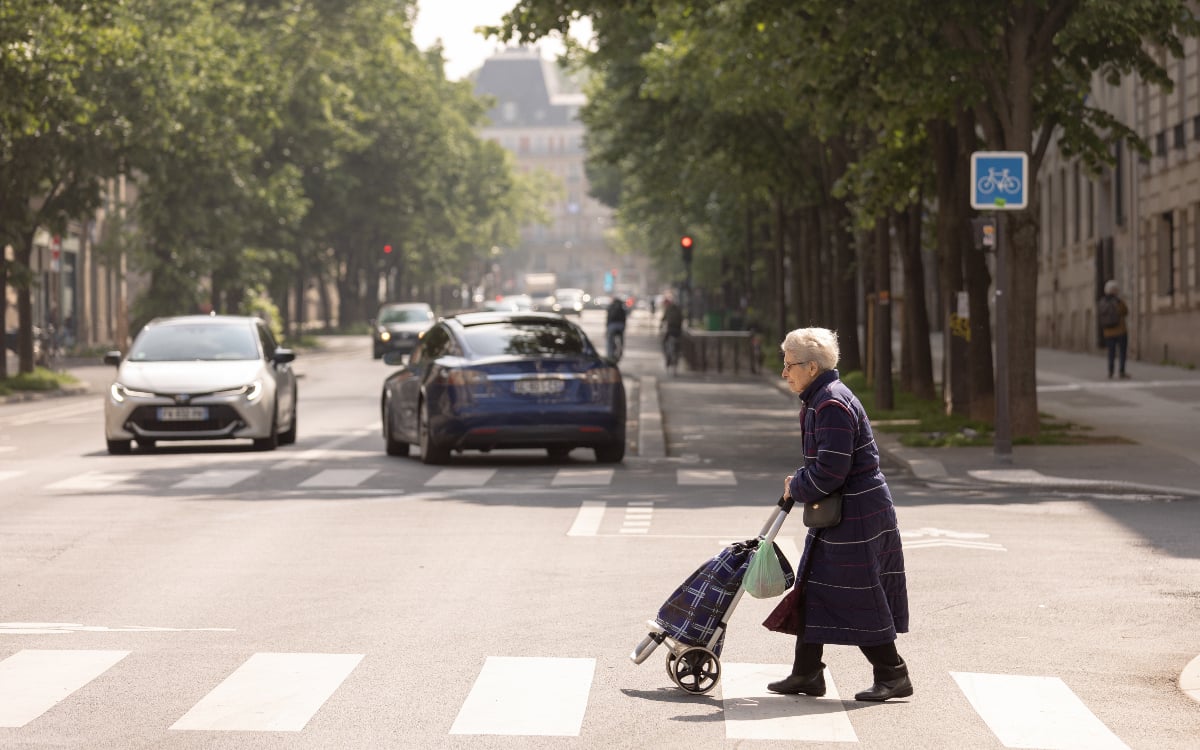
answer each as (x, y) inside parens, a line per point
(539, 387)
(182, 413)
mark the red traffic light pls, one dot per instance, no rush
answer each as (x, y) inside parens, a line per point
(685, 241)
(387, 249)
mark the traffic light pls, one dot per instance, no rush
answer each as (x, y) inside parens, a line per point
(685, 244)
(387, 249)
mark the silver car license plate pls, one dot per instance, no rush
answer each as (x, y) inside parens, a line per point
(539, 387)
(182, 413)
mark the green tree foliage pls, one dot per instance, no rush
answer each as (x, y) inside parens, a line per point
(265, 145)
(799, 103)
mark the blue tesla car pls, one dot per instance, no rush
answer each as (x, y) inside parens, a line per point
(498, 380)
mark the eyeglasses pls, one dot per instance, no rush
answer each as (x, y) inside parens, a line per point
(789, 365)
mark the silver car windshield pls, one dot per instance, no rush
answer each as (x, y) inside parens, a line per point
(185, 343)
(405, 316)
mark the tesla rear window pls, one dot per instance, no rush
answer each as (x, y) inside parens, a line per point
(524, 340)
(184, 343)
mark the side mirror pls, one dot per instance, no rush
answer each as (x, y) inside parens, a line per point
(393, 358)
(283, 355)
(112, 358)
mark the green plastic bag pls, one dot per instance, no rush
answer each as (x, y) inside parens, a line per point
(769, 574)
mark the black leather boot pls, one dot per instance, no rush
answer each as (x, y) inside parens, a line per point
(809, 684)
(890, 682)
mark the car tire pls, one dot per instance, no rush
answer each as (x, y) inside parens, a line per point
(394, 447)
(288, 436)
(271, 441)
(430, 452)
(613, 453)
(119, 447)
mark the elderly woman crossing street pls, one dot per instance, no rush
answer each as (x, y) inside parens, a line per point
(850, 584)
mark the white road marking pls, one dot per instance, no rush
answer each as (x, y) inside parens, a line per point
(214, 478)
(929, 543)
(461, 478)
(271, 693)
(588, 519)
(37, 416)
(322, 452)
(59, 628)
(1039, 712)
(339, 478)
(33, 681)
(527, 696)
(7, 475)
(706, 477)
(753, 713)
(588, 477)
(90, 481)
(638, 514)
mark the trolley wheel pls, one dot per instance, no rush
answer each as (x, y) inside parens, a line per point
(696, 670)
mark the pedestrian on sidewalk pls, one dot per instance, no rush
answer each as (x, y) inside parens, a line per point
(850, 583)
(1111, 312)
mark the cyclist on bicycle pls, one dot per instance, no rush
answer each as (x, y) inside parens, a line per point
(672, 321)
(615, 319)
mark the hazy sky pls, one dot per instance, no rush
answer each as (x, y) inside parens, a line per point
(454, 21)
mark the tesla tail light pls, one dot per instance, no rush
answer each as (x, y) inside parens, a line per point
(602, 375)
(466, 378)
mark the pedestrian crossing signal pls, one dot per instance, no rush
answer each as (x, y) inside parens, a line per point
(685, 244)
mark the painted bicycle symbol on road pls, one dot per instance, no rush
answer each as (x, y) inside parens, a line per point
(999, 180)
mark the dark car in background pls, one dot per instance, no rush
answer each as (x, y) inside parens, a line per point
(497, 380)
(399, 326)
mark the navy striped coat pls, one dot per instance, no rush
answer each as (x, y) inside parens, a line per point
(851, 577)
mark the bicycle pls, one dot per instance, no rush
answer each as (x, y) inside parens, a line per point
(616, 344)
(671, 352)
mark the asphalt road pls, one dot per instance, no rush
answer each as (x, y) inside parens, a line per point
(326, 595)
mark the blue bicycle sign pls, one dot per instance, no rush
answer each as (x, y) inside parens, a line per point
(998, 180)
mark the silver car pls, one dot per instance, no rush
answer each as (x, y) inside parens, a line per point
(202, 377)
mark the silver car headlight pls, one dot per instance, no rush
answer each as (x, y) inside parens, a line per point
(385, 336)
(119, 393)
(250, 392)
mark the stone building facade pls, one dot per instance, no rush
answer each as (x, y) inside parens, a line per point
(1137, 222)
(536, 118)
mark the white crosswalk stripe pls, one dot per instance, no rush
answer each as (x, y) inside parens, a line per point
(271, 693)
(706, 477)
(540, 696)
(339, 478)
(461, 478)
(527, 696)
(10, 474)
(92, 480)
(214, 479)
(33, 681)
(1037, 712)
(584, 477)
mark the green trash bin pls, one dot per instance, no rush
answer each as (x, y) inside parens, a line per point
(713, 321)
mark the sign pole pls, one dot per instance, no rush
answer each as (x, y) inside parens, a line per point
(1003, 436)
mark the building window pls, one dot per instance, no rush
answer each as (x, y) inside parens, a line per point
(1077, 205)
(1119, 184)
(509, 111)
(1166, 254)
(1196, 128)
(1091, 208)
(1180, 139)
(1160, 144)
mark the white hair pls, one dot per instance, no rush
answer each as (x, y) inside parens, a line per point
(1111, 287)
(818, 345)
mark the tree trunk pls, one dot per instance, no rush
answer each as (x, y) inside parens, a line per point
(23, 257)
(3, 312)
(916, 314)
(883, 317)
(953, 176)
(843, 285)
(779, 289)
